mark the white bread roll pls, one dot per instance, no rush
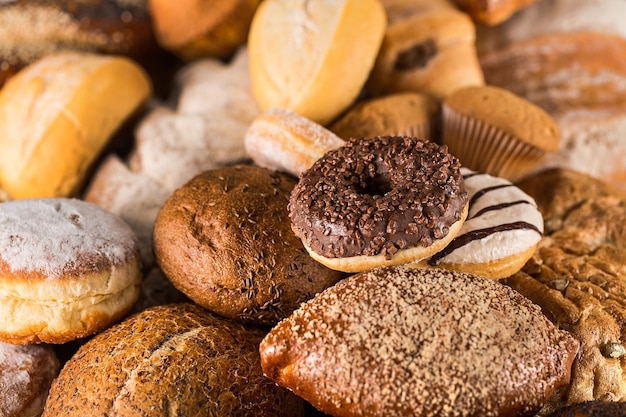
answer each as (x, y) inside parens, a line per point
(313, 57)
(58, 114)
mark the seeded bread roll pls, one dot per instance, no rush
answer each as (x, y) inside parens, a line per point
(32, 29)
(26, 373)
(406, 342)
(224, 239)
(170, 360)
(57, 116)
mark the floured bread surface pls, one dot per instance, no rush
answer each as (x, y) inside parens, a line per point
(303, 54)
(26, 373)
(175, 360)
(67, 269)
(578, 277)
(400, 341)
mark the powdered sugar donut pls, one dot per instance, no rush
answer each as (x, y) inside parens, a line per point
(282, 140)
(67, 269)
(501, 231)
(26, 373)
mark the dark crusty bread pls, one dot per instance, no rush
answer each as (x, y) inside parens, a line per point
(174, 360)
(419, 342)
(225, 240)
(578, 277)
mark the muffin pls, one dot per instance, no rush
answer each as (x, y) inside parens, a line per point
(494, 131)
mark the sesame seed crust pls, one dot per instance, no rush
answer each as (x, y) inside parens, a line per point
(378, 196)
(399, 341)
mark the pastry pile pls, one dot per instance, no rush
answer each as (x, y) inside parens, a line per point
(305, 208)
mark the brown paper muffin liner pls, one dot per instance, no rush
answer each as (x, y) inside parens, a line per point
(482, 147)
(422, 131)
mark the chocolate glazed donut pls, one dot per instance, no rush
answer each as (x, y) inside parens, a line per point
(379, 201)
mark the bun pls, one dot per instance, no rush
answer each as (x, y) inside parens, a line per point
(317, 71)
(67, 270)
(170, 360)
(224, 239)
(57, 116)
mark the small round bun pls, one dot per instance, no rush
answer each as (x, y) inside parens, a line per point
(177, 359)
(380, 201)
(67, 269)
(224, 239)
(419, 342)
(26, 373)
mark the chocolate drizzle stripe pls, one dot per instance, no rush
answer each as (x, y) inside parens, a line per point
(486, 190)
(478, 234)
(472, 174)
(499, 207)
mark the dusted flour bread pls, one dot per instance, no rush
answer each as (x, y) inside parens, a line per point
(494, 131)
(134, 197)
(67, 270)
(170, 360)
(199, 28)
(577, 276)
(430, 52)
(282, 140)
(501, 232)
(492, 12)
(401, 114)
(26, 373)
(303, 58)
(224, 239)
(407, 342)
(32, 29)
(57, 115)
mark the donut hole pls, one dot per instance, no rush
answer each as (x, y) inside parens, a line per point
(380, 184)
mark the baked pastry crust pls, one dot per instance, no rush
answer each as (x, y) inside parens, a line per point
(578, 277)
(177, 359)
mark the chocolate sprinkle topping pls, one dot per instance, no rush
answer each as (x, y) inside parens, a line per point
(378, 196)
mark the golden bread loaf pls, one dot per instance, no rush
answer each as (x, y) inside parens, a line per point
(57, 115)
(303, 55)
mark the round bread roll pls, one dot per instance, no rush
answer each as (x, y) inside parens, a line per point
(224, 240)
(303, 54)
(170, 360)
(67, 269)
(32, 29)
(57, 115)
(200, 28)
(26, 373)
(406, 342)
